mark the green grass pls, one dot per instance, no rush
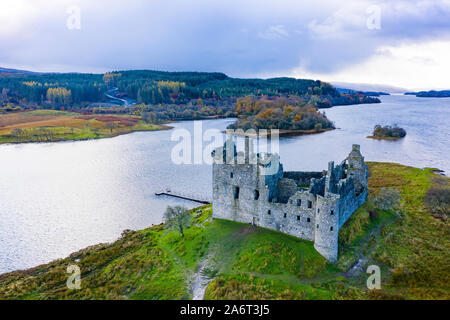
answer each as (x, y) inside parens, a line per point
(76, 133)
(416, 247)
(411, 248)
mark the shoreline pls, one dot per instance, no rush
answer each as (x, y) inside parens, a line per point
(282, 132)
(384, 138)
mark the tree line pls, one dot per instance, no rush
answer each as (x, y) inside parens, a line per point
(152, 87)
(183, 94)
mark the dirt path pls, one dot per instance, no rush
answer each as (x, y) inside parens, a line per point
(201, 281)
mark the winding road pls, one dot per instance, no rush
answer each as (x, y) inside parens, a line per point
(126, 102)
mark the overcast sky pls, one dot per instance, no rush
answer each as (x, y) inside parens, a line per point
(401, 43)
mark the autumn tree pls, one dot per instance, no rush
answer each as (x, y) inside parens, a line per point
(111, 79)
(59, 96)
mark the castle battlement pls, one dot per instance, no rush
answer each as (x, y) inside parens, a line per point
(253, 188)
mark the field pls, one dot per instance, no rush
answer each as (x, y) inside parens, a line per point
(411, 247)
(52, 125)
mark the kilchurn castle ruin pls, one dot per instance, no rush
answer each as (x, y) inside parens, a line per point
(253, 188)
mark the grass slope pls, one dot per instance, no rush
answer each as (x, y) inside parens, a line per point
(411, 247)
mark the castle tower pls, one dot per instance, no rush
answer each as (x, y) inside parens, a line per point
(327, 226)
(237, 184)
(357, 169)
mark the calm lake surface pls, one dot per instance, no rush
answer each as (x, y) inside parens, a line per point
(57, 198)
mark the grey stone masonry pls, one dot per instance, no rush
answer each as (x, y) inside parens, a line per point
(252, 188)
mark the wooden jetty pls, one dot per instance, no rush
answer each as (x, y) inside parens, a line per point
(180, 196)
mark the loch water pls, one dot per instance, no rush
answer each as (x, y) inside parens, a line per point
(57, 198)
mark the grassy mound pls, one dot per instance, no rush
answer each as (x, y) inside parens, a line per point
(410, 246)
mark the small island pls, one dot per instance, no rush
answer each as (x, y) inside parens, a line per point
(387, 132)
(290, 116)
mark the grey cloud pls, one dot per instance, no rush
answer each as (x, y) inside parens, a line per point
(240, 38)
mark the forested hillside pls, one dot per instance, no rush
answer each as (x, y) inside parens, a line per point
(77, 90)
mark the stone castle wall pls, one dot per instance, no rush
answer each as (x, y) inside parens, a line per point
(307, 205)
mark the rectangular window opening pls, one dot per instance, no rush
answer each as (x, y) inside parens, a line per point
(236, 193)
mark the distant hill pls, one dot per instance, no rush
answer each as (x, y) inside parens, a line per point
(367, 93)
(430, 94)
(364, 87)
(8, 70)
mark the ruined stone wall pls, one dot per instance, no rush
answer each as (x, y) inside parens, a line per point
(317, 186)
(286, 188)
(296, 217)
(303, 178)
(242, 193)
(334, 175)
(349, 202)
